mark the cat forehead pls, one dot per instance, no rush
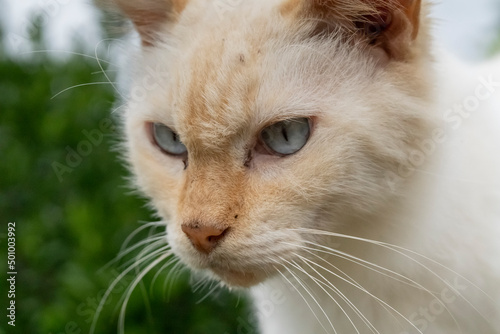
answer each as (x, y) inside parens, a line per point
(218, 82)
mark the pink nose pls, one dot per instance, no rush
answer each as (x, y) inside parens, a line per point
(204, 238)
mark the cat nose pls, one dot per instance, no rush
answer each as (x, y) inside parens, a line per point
(204, 238)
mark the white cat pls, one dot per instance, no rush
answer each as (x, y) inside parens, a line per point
(322, 154)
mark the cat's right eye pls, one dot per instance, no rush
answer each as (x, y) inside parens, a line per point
(167, 140)
(286, 137)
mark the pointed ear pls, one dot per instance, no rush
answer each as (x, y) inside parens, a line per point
(389, 24)
(148, 16)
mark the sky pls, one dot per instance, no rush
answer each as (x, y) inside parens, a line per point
(464, 27)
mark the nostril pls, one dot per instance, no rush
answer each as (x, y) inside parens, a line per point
(204, 237)
(216, 238)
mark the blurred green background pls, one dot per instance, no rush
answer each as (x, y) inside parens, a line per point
(71, 222)
(71, 219)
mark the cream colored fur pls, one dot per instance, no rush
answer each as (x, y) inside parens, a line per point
(387, 221)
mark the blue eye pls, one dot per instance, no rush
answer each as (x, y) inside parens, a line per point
(168, 140)
(287, 137)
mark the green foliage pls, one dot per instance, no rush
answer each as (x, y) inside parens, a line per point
(71, 222)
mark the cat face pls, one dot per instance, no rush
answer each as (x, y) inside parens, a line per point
(274, 117)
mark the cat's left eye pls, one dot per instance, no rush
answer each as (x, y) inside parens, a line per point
(168, 140)
(287, 137)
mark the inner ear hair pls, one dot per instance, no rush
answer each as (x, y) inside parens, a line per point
(373, 26)
(391, 25)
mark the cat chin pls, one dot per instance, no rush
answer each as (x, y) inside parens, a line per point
(230, 275)
(238, 278)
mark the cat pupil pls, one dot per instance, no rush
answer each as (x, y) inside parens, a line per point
(283, 132)
(286, 137)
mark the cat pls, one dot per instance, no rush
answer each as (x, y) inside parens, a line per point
(325, 156)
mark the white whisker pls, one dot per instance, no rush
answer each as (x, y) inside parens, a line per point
(413, 284)
(102, 69)
(137, 231)
(212, 289)
(141, 259)
(379, 269)
(68, 52)
(132, 248)
(399, 250)
(162, 268)
(342, 296)
(355, 283)
(80, 85)
(175, 270)
(309, 292)
(121, 321)
(148, 249)
(368, 293)
(112, 286)
(126, 249)
(300, 294)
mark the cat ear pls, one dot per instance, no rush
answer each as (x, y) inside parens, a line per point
(148, 16)
(388, 24)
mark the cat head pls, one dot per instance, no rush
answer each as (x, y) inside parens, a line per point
(250, 121)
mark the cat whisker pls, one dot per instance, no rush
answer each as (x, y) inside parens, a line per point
(141, 259)
(148, 249)
(377, 268)
(115, 282)
(95, 57)
(174, 260)
(212, 289)
(308, 292)
(176, 270)
(140, 276)
(126, 249)
(300, 294)
(102, 68)
(355, 259)
(394, 248)
(361, 288)
(400, 250)
(332, 287)
(202, 283)
(113, 112)
(152, 241)
(341, 295)
(70, 53)
(80, 85)
(137, 245)
(353, 281)
(100, 72)
(137, 231)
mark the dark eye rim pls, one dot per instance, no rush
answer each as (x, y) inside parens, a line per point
(151, 135)
(270, 151)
